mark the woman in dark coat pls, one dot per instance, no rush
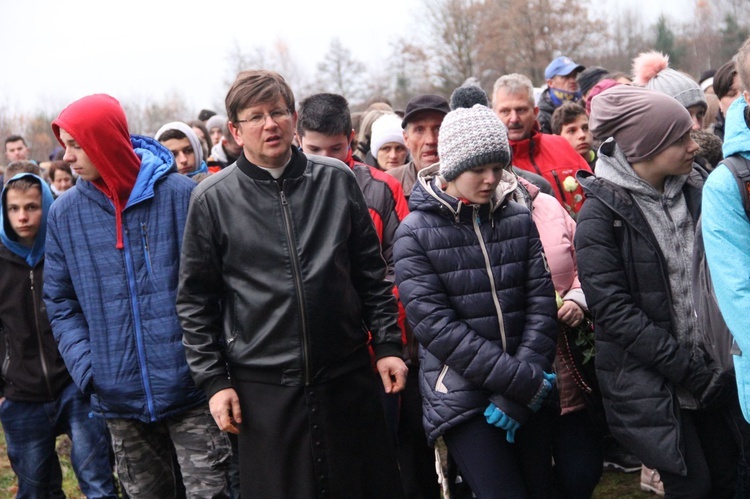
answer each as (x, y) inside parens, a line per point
(634, 243)
(478, 295)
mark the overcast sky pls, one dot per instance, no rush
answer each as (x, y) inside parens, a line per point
(54, 52)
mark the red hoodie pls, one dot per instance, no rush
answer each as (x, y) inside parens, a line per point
(98, 124)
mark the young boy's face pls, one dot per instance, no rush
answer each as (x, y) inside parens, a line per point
(78, 159)
(333, 146)
(578, 135)
(24, 208)
(184, 155)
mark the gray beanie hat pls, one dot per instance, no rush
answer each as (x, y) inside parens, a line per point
(471, 137)
(651, 70)
(216, 121)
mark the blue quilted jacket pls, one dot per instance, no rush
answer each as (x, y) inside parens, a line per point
(479, 297)
(113, 311)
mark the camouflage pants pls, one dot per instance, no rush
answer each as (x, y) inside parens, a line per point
(143, 453)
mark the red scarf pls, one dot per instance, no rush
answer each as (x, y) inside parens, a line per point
(98, 124)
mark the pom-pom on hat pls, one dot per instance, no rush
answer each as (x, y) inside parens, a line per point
(467, 96)
(471, 137)
(385, 129)
(651, 70)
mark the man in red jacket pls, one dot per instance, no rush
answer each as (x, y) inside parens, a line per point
(550, 156)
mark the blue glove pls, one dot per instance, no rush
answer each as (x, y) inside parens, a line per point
(497, 417)
(547, 381)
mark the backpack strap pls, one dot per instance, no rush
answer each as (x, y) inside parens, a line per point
(740, 168)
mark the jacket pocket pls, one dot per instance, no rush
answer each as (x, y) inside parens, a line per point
(146, 249)
(235, 331)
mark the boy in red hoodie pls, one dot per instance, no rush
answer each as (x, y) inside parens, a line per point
(113, 251)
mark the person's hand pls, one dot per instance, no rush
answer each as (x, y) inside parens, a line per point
(393, 372)
(570, 313)
(698, 377)
(225, 408)
(547, 381)
(496, 417)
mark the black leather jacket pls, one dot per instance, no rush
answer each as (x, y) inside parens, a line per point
(281, 280)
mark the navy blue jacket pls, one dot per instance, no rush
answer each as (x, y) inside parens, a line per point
(482, 339)
(113, 311)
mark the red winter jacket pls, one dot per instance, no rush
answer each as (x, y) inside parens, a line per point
(552, 157)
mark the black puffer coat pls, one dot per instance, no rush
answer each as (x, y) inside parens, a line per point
(481, 340)
(638, 360)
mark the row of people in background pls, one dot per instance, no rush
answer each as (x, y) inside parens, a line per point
(269, 347)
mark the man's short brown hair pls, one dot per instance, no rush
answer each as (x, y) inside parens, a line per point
(256, 86)
(17, 167)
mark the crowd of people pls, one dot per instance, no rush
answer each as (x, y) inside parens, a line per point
(481, 296)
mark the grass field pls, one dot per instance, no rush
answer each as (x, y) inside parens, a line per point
(614, 485)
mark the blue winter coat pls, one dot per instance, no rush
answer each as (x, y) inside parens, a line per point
(726, 236)
(445, 252)
(113, 311)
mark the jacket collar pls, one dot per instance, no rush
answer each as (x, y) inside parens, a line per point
(295, 169)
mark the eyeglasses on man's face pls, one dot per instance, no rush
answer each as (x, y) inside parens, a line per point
(278, 116)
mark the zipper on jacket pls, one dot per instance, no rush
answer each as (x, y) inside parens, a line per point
(297, 272)
(559, 185)
(146, 252)
(135, 308)
(6, 359)
(691, 332)
(488, 266)
(42, 358)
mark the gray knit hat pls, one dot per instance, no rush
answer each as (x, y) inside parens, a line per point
(471, 137)
(651, 70)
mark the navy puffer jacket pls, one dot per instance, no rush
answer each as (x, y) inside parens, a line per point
(481, 339)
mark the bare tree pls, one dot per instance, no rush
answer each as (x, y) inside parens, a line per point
(409, 72)
(625, 39)
(278, 57)
(146, 116)
(341, 73)
(453, 26)
(39, 136)
(525, 35)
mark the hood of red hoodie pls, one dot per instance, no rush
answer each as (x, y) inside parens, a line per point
(98, 124)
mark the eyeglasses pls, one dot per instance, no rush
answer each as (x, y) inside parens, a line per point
(278, 116)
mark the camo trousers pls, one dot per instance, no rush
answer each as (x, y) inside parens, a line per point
(143, 454)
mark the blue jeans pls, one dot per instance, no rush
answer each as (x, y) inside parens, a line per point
(31, 429)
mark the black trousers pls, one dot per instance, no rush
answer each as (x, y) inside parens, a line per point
(711, 455)
(325, 440)
(495, 468)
